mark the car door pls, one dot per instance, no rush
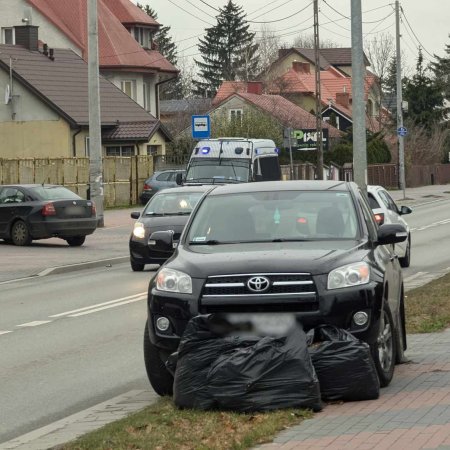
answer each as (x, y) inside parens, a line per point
(8, 206)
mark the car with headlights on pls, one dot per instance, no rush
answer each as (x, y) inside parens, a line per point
(308, 251)
(168, 210)
(386, 211)
(39, 211)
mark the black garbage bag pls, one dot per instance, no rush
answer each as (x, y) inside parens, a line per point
(343, 364)
(271, 374)
(201, 344)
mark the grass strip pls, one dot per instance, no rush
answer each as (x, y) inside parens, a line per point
(428, 307)
(164, 427)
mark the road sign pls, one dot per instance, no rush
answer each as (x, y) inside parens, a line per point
(201, 127)
(402, 131)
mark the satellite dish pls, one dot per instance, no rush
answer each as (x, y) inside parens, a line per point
(7, 94)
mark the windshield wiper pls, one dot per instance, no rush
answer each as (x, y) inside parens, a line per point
(210, 242)
(289, 240)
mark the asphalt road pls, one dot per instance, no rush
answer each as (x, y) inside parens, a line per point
(68, 342)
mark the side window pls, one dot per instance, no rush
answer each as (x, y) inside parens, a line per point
(9, 195)
(373, 202)
(164, 176)
(387, 200)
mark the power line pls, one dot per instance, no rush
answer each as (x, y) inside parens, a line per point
(418, 40)
(380, 31)
(195, 6)
(376, 26)
(193, 15)
(270, 10)
(284, 18)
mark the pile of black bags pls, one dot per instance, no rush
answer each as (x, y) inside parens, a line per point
(217, 370)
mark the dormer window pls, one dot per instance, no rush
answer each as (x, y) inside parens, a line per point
(8, 36)
(141, 35)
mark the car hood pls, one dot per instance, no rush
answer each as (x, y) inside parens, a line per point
(163, 223)
(311, 257)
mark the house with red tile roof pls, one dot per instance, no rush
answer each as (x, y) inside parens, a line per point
(292, 75)
(45, 113)
(128, 56)
(235, 99)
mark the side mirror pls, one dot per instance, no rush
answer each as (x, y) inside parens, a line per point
(161, 241)
(135, 215)
(179, 178)
(405, 210)
(391, 234)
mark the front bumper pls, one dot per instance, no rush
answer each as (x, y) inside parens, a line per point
(141, 253)
(335, 307)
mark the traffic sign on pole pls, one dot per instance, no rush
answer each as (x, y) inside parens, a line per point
(402, 131)
(201, 127)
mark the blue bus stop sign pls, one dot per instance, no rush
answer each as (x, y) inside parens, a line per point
(402, 131)
(201, 127)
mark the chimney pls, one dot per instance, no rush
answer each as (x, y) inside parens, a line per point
(255, 87)
(51, 54)
(301, 67)
(27, 36)
(343, 99)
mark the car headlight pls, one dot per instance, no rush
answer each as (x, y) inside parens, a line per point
(349, 275)
(170, 280)
(139, 230)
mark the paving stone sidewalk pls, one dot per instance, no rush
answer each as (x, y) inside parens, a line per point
(413, 412)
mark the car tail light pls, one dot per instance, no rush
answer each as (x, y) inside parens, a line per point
(301, 220)
(48, 210)
(379, 218)
(147, 187)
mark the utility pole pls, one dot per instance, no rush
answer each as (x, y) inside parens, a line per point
(401, 143)
(318, 93)
(358, 103)
(95, 136)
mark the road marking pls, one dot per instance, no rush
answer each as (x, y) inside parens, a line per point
(141, 296)
(5, 332)
(431, 225)
(109, 306)
(36, 323)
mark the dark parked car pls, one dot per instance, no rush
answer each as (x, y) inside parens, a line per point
(159, 180)
(167, 210)
(308, 248)
(39, 211)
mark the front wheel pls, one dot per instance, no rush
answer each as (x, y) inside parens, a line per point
(384, 349)
(20, 235)
(405, 261)
(160, 378)
(76, 241)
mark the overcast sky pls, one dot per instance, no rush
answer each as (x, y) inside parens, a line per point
(429, 21)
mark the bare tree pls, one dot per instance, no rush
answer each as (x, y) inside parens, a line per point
(307, 41)
(268, 43)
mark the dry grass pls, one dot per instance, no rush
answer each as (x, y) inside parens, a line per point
(164, 427)
(428, 307)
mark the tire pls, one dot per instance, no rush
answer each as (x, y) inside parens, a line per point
(20, 235)
(384, 351)
(160, 378)
(136, 267)
(405, 261)
(76, 241)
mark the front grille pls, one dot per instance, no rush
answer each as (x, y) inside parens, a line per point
(279, 285)
(270, 307)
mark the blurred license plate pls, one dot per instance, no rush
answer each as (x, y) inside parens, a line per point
(74, 210)
(266, 324)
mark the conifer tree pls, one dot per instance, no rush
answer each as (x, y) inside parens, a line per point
(228, 51)
(441, 69)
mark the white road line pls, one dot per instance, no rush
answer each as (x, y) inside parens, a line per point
(67, 313)
(36, 323)
(5, 332)
(414, 276)
(108, 306)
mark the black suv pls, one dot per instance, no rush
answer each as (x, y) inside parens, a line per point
(308, 248)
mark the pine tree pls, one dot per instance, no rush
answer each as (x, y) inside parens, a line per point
(167, 48)
(425, 98)
(228, 51)
(441, 69)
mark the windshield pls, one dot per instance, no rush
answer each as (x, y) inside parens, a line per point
(274, 216)
(169, 203)
(54, 193)
(219, 170)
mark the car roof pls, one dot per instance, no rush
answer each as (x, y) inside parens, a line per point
(33, 185)
(295, 185)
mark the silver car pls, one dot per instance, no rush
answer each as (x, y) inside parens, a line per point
(386, 211)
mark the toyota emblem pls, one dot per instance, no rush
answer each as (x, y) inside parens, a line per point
(258, 284)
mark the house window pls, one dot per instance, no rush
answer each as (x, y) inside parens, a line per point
(129, 87)
(8, 36)
(141, 35)
(235, 114)
(147, 96)
(152, 150)
(120, 150)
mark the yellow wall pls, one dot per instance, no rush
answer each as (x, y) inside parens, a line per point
(158, 140)
(35, 139)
